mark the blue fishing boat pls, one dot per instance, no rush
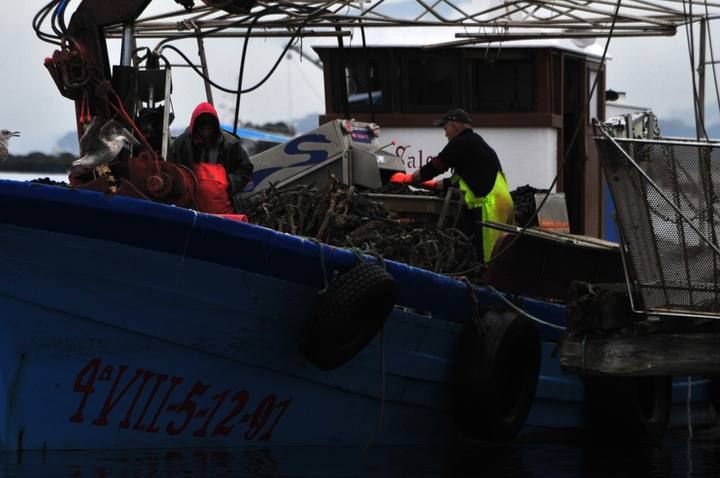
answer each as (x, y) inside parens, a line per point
(129, 324)
(132, 321)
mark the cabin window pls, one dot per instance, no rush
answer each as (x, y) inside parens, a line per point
(432, 82)
(365, 81)
(502, 85)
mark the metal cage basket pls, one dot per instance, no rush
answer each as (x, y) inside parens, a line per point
(667, 200)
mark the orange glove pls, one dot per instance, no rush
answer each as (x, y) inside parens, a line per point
(401, 178)
(432, 184)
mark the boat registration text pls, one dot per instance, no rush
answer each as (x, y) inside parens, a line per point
(202, 410)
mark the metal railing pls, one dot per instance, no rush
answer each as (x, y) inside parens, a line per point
(667, 200)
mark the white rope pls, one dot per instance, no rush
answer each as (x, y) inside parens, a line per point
(519, 310)
(181, 264)
(689, 407)
(690, 429)
(378, 425)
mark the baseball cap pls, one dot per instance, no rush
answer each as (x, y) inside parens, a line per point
(456, 114)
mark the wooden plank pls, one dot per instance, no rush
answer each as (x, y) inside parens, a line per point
(678, 354)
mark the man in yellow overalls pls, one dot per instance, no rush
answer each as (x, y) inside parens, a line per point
(478, 174)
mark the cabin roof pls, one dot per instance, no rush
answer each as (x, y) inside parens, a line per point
(590, 48)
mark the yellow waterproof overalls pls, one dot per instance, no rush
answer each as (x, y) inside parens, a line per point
(497, 206)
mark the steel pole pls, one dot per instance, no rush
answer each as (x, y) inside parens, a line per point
(204, 66)
(128, 44)
(700, 120)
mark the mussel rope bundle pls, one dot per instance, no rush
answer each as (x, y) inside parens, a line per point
(349, 314)
(340, 216)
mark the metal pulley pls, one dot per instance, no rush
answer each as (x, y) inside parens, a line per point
(142, 177)
(162, 181)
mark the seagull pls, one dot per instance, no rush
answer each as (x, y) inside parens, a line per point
(5, 136)
(101, 143)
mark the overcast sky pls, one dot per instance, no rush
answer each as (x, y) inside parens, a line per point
(653, 72)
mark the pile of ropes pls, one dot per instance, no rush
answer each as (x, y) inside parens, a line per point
(340, 216)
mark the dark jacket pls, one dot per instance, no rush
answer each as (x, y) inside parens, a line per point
(471, 158)
(230, 152)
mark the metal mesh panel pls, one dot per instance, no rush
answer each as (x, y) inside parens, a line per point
(672, 267)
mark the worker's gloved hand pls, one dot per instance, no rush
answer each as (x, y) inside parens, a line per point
(401, 178)
(432, 184)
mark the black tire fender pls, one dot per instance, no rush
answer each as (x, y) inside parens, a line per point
(349, 315)
(714, 393)
(639, 406)
(498, 369)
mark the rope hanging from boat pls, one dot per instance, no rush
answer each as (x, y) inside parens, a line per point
(186, 245)
(521, 311)
(378, 425)
(480, 325)
(326, 283)
(689, 408)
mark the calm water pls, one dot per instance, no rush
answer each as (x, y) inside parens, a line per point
(536, 453)
(30, 176)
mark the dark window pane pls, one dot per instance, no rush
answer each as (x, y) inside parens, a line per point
(365, 78)
(503, 86)
(432, 82)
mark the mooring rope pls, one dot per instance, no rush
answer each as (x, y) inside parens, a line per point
(360, 256)
(582, 353)
(690, 428)
(326, 284)
(378, 425)
(689, 407)
(181, 264)
(521, 311)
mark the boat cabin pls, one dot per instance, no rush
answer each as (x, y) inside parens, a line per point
(525, 101)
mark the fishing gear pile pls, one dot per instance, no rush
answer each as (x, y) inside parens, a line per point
(340, 216)
(49, 182)
(524, 201)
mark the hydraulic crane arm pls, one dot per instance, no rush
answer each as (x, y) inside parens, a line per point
(83, 73)
(81, 69)
(91, 17)
(134, 96)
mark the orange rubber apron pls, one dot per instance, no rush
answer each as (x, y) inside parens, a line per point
(212, 192)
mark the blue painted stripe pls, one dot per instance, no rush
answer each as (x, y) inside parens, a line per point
(255, 135)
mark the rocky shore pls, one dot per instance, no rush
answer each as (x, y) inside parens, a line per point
(38, 162)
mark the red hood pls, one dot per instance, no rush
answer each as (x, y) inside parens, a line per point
(203, 108)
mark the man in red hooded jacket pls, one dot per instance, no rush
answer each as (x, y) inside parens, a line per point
(217, 157)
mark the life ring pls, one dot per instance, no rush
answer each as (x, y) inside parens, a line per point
(627, 408)
(499, 367)
(348, 315)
